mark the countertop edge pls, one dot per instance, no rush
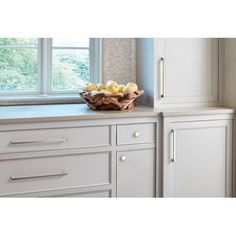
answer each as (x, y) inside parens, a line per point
(205, 111)
(77, 117)
(49, 113)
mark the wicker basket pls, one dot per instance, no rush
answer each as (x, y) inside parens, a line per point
(101, 101)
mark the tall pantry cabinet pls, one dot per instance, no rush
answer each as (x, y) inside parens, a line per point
(180, 77)
(178, 72)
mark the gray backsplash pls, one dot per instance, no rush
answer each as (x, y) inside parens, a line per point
(119, 62)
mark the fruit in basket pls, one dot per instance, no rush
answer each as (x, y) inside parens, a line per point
(111, 96)
(130, 87)
(121, 88)
(112, 87)
(133, 86)
(94, 92)
(100, 87)
(105, 92)
(90, 87)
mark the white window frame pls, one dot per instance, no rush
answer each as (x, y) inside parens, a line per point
(44, 94)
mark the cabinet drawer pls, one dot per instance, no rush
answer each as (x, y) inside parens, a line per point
(51, 173)
(52, 139)
(137, 133)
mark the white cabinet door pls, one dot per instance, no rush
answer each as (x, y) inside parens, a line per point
(136, 173)
(197, 158)
(187, 70)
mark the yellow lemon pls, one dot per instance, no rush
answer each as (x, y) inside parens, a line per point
(90, 87)
(121, 88)
(133, 86)
(100, 87)
(112, 86)
(128, 89)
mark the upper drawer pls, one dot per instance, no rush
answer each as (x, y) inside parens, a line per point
(138, 133)
(52, 173)
(52, 139)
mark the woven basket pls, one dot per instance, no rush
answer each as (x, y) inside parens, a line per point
(101, 101)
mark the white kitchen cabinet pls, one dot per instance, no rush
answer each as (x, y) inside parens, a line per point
(77, 158)
(178, 71)
(136, 173)
(197, 155)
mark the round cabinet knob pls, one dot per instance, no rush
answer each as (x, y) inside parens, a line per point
(136, 134)
(123, 158)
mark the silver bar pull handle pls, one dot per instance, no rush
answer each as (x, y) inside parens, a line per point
(162, 76)
(59, 140)
(173, 153)
(38, 176)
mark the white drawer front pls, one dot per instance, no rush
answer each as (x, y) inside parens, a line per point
(52, 139)
(137, 133)
(51, 173)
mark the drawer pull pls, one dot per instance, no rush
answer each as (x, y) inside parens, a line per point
(173, 156)
(136, 134)
(38, 176)
(123, 158)
(163, 79)
(59, 140)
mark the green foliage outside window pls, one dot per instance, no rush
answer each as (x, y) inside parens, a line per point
(19, 67)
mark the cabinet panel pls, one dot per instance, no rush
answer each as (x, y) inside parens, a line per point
(198, 159)
(136, 173)
(187, 70)
(53, 173)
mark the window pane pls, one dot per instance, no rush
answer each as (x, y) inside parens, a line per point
(68, 42)
(18, 41)
(70, 69)
(18, 69)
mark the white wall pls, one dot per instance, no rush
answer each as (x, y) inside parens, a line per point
(119, 61)
(228, 61)
(229, 72)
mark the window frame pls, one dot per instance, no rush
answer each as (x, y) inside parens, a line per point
(45, 94)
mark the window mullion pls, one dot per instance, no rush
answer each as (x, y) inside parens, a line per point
(95, 59)
(49, 65)
(40, 61)
(46, 66)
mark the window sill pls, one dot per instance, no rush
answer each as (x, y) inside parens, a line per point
(37, 100)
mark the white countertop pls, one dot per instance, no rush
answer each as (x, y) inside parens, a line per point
(33, 113)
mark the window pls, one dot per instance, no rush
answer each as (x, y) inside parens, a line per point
(18, 66)
(47, 68)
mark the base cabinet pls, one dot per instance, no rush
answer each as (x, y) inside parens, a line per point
(197, 157)
(97, 158)
(136, 173)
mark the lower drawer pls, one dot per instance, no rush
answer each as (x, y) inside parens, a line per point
(51, 173)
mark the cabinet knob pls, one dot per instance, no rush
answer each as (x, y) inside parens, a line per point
(123, 158)
(136, 134)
